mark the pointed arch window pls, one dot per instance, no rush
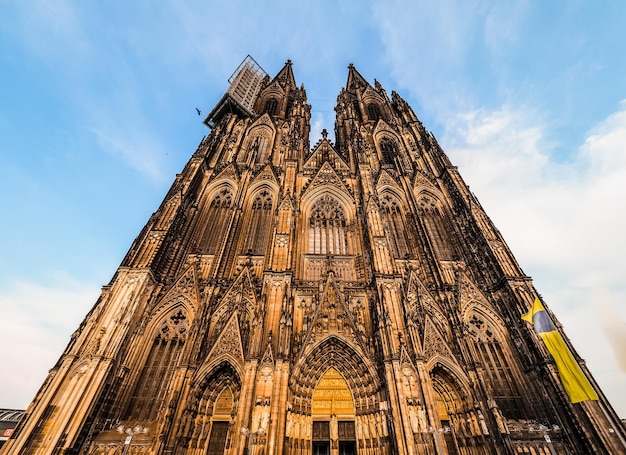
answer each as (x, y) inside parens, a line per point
(216, 221)
(259, 223)
(271, 106)
(434, 224)
(373, 112)
(357, 109)
(151, 388)
(327, 227)
(396, 227)
(491, 352)
(260, 148)
(388, 150)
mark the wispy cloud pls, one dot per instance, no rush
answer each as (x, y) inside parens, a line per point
(38, 329)
(562, 220)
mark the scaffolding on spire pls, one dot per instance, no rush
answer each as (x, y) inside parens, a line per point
(245, 83)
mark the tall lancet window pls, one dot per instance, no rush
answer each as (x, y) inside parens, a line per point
(434, 224)
(395, 226)
(216, 221)
(373, 113)
(150, 389)
(260, 148)
(388, 151)
(327, 227)
(260, 223)
(491, 351)
(271, 106)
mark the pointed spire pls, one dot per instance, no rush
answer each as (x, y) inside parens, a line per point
(285, 76)
(355, 80)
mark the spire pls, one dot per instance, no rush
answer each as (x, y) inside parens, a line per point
(355, 80)
(285, 76)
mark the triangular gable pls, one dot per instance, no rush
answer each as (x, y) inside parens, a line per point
(285, 76)
(241, 295)
(370, 94)
(266, 174)
(327, 176)
(384, 127)
(433, 341)
(471, 296)
(185, 286)
(386, 180)
(332, 317)
(317, 157)
(405, 360)
(228, 343)
(268, 357)
(286, 203)
(355, 80)
(423, 181)
(263, 120)
(230, 172)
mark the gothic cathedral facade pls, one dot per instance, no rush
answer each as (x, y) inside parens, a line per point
(346, 298)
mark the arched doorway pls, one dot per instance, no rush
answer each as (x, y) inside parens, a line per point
(332, 411)
(335, 384)
(217, 400)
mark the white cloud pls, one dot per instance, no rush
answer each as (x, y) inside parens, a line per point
(36, 325)
(135, 146)
(562, 220)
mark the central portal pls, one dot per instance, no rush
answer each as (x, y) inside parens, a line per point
(333, 416)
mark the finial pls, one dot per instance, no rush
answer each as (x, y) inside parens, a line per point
(288, 62)
(324, 133)
(350, 66)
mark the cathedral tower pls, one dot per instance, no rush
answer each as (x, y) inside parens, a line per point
(345, 298)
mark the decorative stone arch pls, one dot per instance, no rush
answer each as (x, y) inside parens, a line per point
(326, 225)
(374, 105)
(491, 348)
(337, 353)
(339, 194)
(218, 204)
(453, 406)
(434, 217)
(259, 142)
(259, 209)
(364, 426)
(156, 358)
(212, 406)
(397, 222)
(478, 307)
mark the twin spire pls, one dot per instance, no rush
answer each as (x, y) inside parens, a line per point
(286, 77)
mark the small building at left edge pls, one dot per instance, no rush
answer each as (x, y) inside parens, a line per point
(9, 419)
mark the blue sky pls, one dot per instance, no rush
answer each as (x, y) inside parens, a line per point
(97, 115)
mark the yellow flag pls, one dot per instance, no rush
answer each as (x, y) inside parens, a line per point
(572, 377)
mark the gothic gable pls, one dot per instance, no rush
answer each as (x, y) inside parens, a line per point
(285, 76)
(422, 181)
(332, 316)
(228, 346)
(325, 152)
(230, 173)
(355, 80)
(273, 89)
(184, 288)
(240, 298)
(265, 175)
(386, 181)
(370, 95)
(262, 121)
(326, 177)
(433, 342)
(383, 129)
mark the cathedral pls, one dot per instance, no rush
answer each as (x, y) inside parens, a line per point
(346, 297)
